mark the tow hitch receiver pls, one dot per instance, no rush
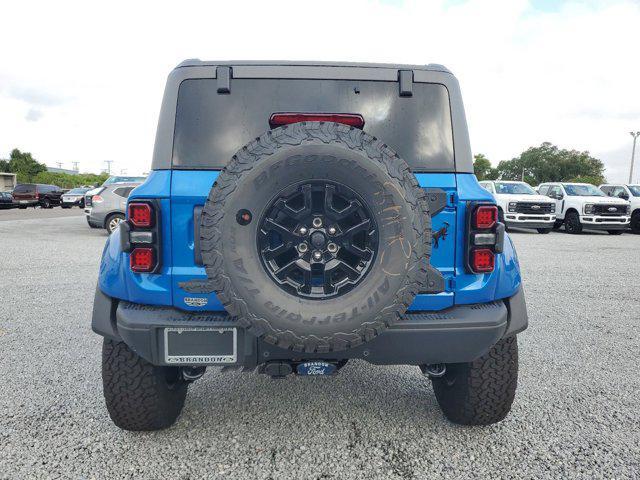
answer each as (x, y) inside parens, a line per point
(312, 368)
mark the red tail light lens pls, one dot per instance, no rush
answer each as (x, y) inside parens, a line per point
(140, 214)
(482, 260)
(351, 119)
(96, 199)
(142, 259)
(485, 216)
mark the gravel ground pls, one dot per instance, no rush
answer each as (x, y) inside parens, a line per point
(576, 415)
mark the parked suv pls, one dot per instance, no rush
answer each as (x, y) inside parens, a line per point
(520, 206)
(582, 205)
(108, 206)
(36, 194)
(286, 226)
(112, 179)
(631, 193)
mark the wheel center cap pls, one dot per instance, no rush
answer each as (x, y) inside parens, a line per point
(317, 239)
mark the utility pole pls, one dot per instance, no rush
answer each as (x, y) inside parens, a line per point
(635, 136)
(75, 166)
(60, 163)
(108, 162)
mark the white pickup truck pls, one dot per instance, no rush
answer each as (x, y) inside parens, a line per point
(520, 206)
(582, 205)
(626, 192)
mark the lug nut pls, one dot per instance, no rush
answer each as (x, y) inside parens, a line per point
(332, 230)
(303, 247)
(317, 222)
(317, 255)
(303, 230)
(332, 247)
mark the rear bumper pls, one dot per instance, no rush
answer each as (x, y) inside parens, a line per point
(458, 334)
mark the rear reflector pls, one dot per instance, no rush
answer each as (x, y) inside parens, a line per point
(351, 119)
(142, 259)
(485, 216)
(140, 214)
(482, 260)
(484, 239)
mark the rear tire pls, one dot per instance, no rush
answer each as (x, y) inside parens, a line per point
(480, 392)
(635, 222)
(112, 222)
(544, 231)
(572, 223)
(615, 232)
(140, 396)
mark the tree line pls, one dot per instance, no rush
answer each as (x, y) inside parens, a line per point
(546, 163)
(29, 170)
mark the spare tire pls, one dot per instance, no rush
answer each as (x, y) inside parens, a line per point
(316, 236)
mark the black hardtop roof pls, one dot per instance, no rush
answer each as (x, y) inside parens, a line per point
(196, 62)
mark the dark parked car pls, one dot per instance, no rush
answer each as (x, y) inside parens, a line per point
(6, 200)
(34, 194)
(74, 198)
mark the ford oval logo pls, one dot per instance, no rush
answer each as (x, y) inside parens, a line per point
(535, 207)
(612, 209)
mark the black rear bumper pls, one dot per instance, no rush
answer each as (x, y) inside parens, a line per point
(458, 334)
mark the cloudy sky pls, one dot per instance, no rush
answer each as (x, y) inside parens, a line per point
(82, 82)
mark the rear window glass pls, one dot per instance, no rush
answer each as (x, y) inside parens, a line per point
(210, 127)
(26, 188)
(123, 191)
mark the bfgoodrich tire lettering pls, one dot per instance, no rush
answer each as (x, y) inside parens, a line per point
(327, 152)
(480, 392)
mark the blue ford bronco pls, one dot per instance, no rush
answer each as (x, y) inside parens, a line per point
(298, 216)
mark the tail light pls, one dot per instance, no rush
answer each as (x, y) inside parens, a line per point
(140, 214)
(96, 199)
(140, 236)
(350, 119)
(485, 216)
(482, 260)
(485, 237)
(142, 259)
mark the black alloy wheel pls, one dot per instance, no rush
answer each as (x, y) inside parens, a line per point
(317, 239)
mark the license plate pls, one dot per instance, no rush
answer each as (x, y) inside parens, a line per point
(192, 345)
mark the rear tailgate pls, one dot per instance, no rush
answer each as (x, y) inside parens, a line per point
(211, 124)
(190, 190)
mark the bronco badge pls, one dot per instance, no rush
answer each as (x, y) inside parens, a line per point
(196, 301)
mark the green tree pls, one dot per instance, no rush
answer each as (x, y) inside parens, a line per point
(29, 170)
(548, 163)
(24, 165)
(483, 169)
